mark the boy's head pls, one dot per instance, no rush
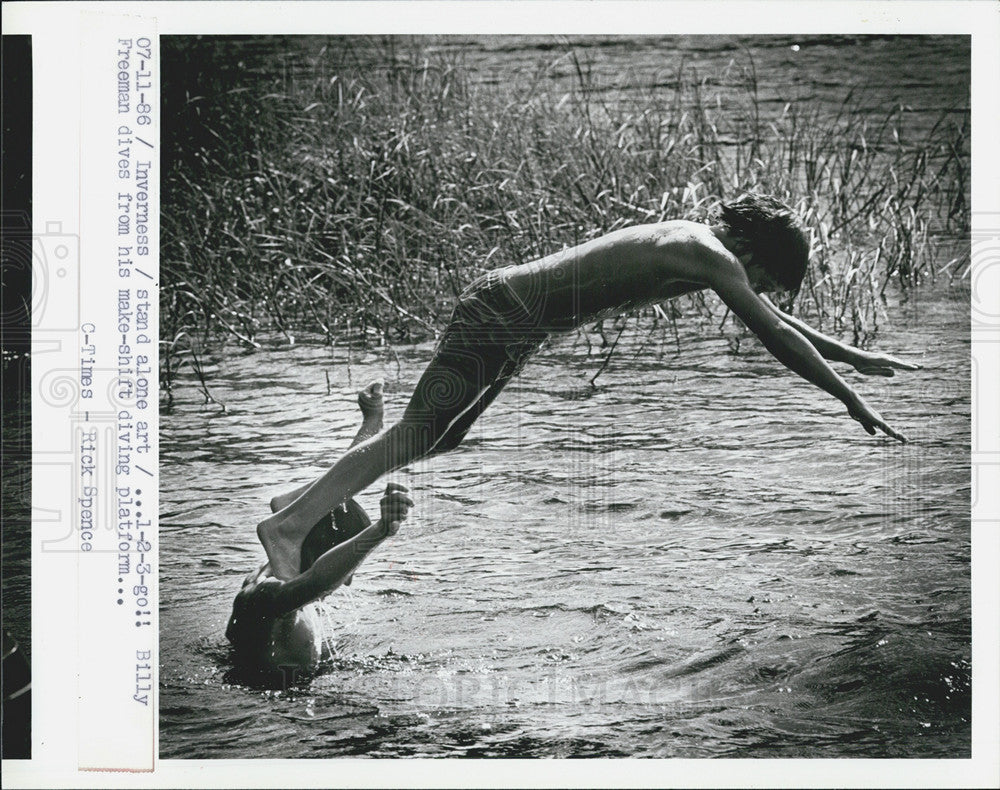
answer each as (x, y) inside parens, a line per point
(331, 530)
(769, 231)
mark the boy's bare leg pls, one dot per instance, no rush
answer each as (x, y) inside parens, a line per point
(443, 397)
(371, 404)
(283, 532)
(460, 381)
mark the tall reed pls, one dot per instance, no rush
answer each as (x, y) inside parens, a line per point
(353, 202)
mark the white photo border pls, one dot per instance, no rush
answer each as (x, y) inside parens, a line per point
(56, 29)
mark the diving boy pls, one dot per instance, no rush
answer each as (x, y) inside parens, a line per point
(755, 245)
(269, 628)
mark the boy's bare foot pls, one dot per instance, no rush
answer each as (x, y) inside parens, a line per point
(284, 549)
(284, 554)
(370, 401)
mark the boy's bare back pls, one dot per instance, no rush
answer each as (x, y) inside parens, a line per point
(618, 272)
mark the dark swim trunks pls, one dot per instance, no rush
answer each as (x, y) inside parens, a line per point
(334, 528)
(491, 322)
(490, 337)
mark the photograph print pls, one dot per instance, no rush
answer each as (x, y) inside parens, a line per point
(547, 396)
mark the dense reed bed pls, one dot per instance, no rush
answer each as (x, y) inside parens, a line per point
(349, 202)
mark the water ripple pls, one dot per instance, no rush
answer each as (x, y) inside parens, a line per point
(711, 560)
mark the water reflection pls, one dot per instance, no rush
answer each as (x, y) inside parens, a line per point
(704, 556)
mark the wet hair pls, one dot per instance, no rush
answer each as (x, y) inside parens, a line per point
(772, 233)
(334, 528)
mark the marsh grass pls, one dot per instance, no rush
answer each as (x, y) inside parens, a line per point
(352, 202)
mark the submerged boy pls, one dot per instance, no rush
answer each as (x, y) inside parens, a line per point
(269, 628)
(756, 245)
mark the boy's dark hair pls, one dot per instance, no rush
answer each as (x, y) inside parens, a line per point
(772, 233)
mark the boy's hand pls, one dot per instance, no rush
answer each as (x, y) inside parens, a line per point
(395, 507)
(871, 419)
(871, 364)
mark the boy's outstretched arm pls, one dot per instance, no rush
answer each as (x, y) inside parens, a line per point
(338, 564)
(866, 362)
(727, 277)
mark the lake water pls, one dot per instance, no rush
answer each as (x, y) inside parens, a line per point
(703, 556)
(925, 75)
